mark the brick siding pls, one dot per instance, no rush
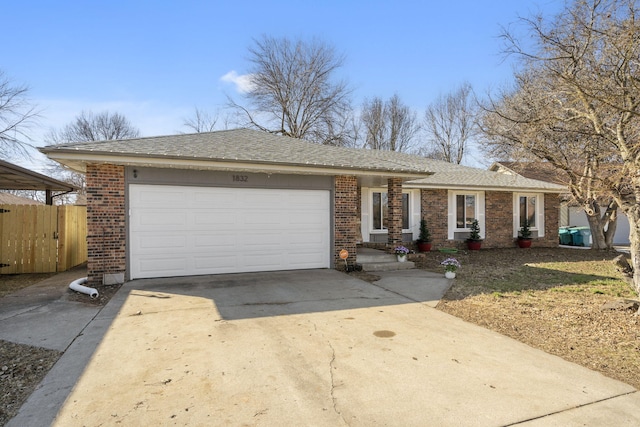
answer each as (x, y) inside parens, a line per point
(551, 221)
(498, 219)
(106, 225)
(394, 221)
(345, 219)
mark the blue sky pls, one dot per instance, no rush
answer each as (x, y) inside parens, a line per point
(155, 61)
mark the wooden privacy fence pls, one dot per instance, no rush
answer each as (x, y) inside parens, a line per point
(42, 238)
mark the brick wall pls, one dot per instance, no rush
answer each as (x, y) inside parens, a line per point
(394, 222)
(551, 221)
(498, 219)
(345, 218)
(106, 227)
(435, 211)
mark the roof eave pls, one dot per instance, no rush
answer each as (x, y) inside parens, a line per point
(440, 186)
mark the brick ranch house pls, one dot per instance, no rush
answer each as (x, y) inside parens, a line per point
(245, 200)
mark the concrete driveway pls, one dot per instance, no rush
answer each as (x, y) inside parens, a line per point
(310, 348)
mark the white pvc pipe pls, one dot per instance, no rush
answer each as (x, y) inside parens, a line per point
(77, 286)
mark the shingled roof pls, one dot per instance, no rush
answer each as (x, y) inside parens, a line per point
(239, 146)
(263, 152)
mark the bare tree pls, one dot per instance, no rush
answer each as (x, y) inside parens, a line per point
(388, 125)
(201, 121)
(89, 127)
(294, 91)
(450, 124)
(516, 127)
(16, 117)
(579, 95)
(94, 127)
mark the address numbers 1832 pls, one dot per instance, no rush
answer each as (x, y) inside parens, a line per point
(240, 178)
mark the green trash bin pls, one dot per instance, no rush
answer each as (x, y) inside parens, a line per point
(575, 236)
(580, 236)
(585, 236)
(564, 236)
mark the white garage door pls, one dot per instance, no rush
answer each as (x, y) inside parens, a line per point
(182, 231)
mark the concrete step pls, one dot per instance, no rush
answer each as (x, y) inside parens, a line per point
(377, 260)
(380, 256)
(387, 266)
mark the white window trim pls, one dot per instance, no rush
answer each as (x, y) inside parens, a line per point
(479, 214)
(366, 226)
(539, 213)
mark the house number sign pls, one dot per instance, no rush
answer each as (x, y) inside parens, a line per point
(240, 178)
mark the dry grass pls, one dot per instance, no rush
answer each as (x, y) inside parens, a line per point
(550, 299)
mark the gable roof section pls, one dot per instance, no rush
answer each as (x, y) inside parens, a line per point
(257, 151)
(484, 180)
(533, 170)
(239, 149)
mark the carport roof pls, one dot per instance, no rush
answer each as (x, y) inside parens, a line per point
(14, 177)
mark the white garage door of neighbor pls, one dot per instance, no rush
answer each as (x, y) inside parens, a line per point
(183, 231)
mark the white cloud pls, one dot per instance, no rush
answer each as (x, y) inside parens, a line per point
(243, 82)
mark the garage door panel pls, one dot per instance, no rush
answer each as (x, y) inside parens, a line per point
(206, 199)
(224, 230)
(204, 263)
(158, 244)
(157, 197)
(219, 221)
(305, 238)
(309, 219)
(262, 219)
(163, 267)
(264, 262)
(216, 242)
(150, 220)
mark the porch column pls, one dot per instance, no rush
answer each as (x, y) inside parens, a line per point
(345, 219)
(394, 222)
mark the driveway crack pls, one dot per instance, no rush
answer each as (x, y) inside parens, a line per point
(332, 366)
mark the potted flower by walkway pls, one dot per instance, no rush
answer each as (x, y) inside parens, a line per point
(524, 237)
(424, 240)
(450, 266)
(474, 242)
(401, 253)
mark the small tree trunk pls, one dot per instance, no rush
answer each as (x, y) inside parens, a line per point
(634, 237)
(597, 232)
(610, 220)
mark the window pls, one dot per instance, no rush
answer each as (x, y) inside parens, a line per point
(465, 210)
(463, 207)
(380, 211)
(528, 210)
(528, 207)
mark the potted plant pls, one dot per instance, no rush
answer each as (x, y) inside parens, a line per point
(524, 237)
(401, 253)
(450, 267)
(474, 241)
(424, 240)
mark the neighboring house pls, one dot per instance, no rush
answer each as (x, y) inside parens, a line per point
(12, 199)
(571, 215)
(244, 200)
